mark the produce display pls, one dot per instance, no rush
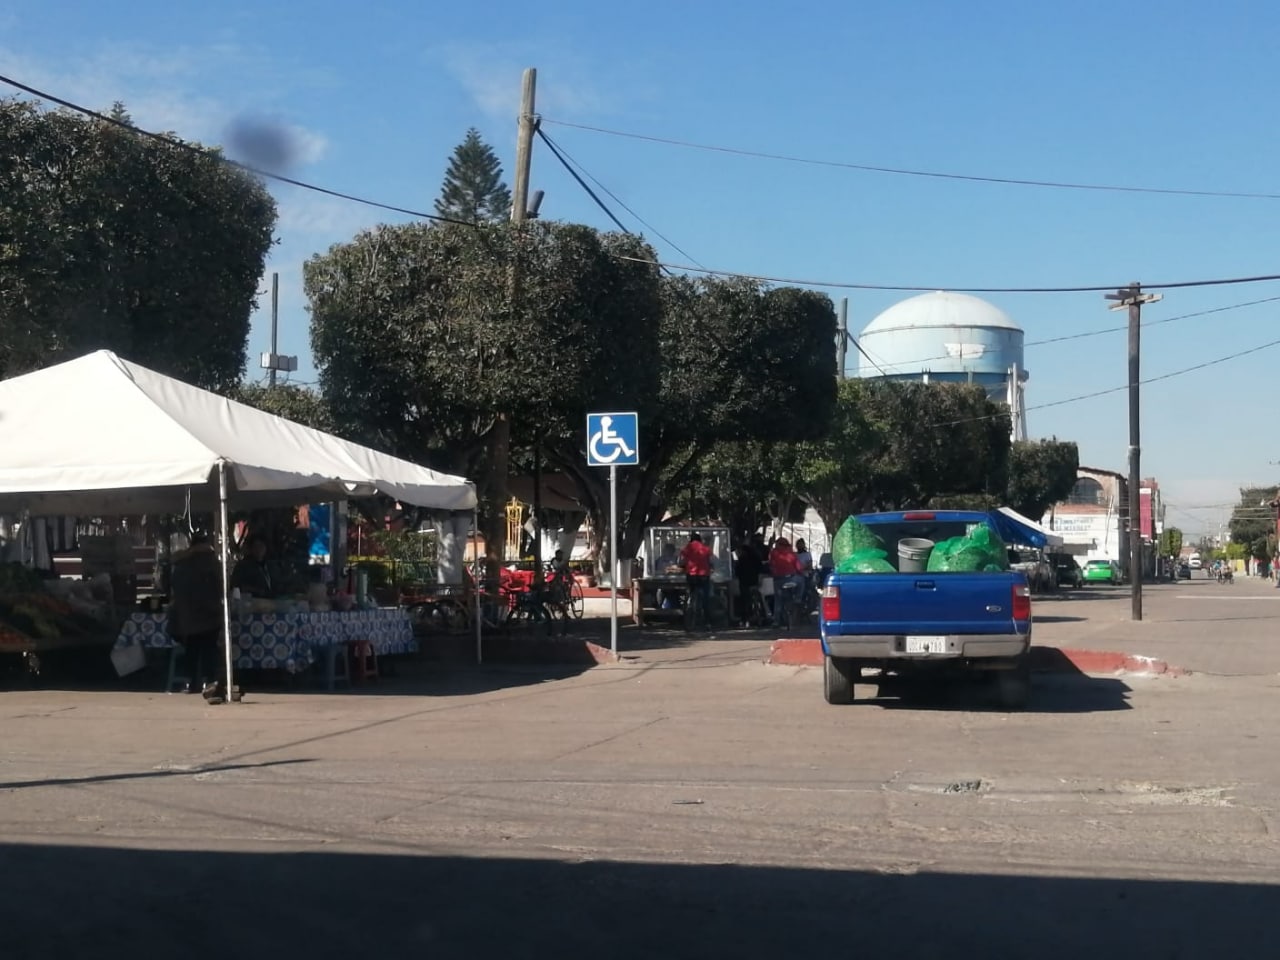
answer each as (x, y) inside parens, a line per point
(36, 612)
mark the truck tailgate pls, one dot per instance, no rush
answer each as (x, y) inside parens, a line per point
(925, 603)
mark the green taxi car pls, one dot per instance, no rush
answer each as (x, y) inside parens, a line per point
(1101, 571)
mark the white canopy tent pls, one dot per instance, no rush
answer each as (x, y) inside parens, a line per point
(102, 436)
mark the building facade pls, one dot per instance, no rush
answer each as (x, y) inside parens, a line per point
(1093, 520)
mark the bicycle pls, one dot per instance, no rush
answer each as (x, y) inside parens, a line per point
(564, 594)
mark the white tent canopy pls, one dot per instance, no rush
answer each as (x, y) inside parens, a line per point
(101, 435)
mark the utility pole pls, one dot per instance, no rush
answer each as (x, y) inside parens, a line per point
(500, 435)
(275, 323)
(1133, 298)
(842, 345)
(273, 361)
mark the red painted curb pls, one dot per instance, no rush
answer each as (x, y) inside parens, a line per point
(808, 653)
(796, 653)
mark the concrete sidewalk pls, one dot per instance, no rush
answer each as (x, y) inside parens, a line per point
(1200, 625)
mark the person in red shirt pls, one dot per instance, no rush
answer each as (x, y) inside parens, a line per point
(696, 560)
(785, 567)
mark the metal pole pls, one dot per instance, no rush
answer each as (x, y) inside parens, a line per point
(1135, 455)
(613, 559)
(842, 345)
(537, 512)
(224, 539)
(475, 557)
(275, 319)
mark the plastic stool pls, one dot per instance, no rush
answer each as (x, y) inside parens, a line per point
(364, 661)
(334, 654)
(176, 651)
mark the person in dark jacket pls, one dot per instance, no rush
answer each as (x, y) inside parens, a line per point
(195, 613)
(253, 575)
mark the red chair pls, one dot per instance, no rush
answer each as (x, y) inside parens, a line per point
(364, 661)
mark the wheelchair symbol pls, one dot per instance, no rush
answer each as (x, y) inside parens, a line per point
(606, 438)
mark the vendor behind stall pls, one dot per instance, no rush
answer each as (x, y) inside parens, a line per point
(253, 574)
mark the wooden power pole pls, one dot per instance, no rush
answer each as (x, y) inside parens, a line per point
(1133, 298)
(500, 436)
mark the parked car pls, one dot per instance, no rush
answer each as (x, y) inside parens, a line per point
(1101, 571)
(1184, 571)
(1039, 571)
(1066, 571)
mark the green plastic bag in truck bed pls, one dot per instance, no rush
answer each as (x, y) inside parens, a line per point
(980, 549)
(865, 561)
(852, 538)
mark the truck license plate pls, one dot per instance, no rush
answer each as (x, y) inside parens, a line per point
(926, 644)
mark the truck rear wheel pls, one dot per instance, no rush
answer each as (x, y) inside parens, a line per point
(838, 675)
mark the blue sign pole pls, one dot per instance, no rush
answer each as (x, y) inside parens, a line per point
(613, 559)
(613, 440)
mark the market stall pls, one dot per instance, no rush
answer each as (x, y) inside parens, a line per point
(102, 436)
(660, 591)
(289, 640)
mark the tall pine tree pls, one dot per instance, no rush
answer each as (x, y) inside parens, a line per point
(473, 189)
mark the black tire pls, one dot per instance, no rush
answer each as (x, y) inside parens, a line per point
(577, 604)
(838, 676)
(1014, 686)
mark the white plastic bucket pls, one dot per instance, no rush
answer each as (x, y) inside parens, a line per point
(913, 554)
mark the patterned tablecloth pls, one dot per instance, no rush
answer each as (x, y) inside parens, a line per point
(288, 641)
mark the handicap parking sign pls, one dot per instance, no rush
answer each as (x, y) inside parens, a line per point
(613, 440)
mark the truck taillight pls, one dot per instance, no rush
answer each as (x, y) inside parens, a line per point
(831, 603)
(1021, 601)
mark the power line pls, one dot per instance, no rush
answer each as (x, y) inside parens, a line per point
(216, 155)
(1090, 333)
(907, 172)
(582, 183)
(563, 155)
(1111, 390)
(846, 285)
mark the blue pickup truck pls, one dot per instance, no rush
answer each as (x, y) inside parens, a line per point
(913, 622)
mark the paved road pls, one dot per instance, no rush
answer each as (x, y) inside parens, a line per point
(690, 802)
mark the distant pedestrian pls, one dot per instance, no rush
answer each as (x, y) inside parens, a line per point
(747, 570)
(697, 561)
(785, 568)
(195, 614)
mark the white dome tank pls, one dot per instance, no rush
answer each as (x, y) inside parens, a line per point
(947, 336)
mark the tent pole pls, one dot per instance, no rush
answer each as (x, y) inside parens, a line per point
(225, 549)
(475, 548)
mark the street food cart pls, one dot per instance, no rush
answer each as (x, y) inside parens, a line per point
(661, 591)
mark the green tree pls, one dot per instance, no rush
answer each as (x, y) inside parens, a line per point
(421, 349)
(896, 444)
(110, 239)
(288, 400)
(1253, 521)
(737, 361)
(473, 189)
(1041, 473)
(1171, 542)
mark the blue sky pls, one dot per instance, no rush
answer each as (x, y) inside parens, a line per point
(1172, 94)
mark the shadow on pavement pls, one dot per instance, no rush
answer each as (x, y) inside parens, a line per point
(1057, 686)
(67, 901)
(402, 676)
(144, 774)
